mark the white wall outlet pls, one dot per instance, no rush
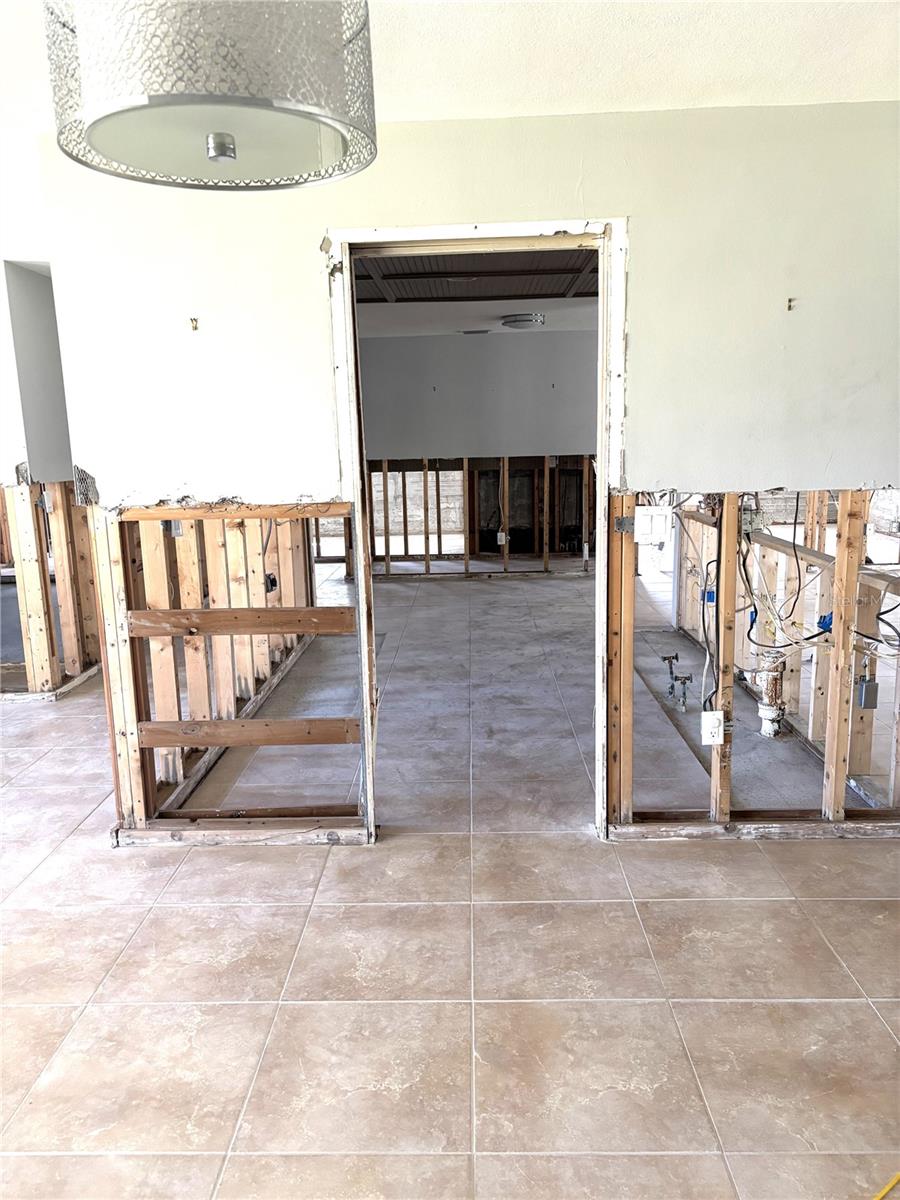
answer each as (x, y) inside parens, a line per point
(712, 728)
(501, 538)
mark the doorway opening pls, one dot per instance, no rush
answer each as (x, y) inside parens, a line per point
(477, 367)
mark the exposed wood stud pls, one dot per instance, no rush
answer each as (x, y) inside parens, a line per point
(257, 596)
(283, 533)
(425, 517)
(309, 555)
(793, 658)
(614, 641)
(476, 514)
(163, 672)
(302, 595)
(585, 509)
(386, 505)
(43, 669)
(546, 514)
(437, 507)
(6, 554)
(821, 652)
(809, 519)
(766, 585)
(318, 537)
(84, 574)
(217, 579)
(465, 494)
(239, 597)
(273, 597)
(726, 587)
(535, 512)
(556, 500)
(504, 509)
(56, 502)
(133, 795)
(626, 664)
(862, 722)
(405, 513)
(850, 526)
(348, 548)
(821, 520)
(196, 659)
(371, 511)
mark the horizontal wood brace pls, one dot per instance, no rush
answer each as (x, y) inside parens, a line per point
(216, 512)
(240, 814)
(308, 731)
(182, 622)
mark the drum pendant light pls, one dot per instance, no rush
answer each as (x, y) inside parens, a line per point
(223, 94)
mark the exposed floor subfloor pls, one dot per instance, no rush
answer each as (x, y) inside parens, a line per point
(489, 1002)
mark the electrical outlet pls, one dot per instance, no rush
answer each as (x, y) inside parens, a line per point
(501, 538)
(712, 728)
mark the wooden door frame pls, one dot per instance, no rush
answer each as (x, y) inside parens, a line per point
(610, 238)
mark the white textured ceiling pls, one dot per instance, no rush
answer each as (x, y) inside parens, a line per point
(457, 59)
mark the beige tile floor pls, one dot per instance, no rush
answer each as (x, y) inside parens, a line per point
(488, 1003)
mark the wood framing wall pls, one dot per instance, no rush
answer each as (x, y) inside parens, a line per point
(552, 527)
(42, 521)
(716, 557)
(235, 587)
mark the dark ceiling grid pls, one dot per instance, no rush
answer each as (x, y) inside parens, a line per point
(537, 275)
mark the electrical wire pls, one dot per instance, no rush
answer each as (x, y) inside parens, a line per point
(796, 555)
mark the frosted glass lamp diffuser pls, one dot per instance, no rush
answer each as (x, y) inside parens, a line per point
(222, 94)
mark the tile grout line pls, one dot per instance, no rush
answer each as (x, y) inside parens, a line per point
(11, 907)
(863, 1152)
(276, 1009)
(84, 1007)
(463, 999)
(562, 701)
(21, 771)
(800, 902)
(681, 1037)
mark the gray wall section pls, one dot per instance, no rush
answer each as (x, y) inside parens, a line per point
(500, 394)
(43, 398)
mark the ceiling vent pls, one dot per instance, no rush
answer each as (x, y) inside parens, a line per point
(523, 321)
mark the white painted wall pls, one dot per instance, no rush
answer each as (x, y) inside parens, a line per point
(35, 345)
(731, 211)
(502, 393)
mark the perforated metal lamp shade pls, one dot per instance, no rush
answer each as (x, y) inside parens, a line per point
(222, 94)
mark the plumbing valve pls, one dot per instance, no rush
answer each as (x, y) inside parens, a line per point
(669, 659)
(683, 680)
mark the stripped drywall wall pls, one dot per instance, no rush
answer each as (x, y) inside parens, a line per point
(498, 394)
(731, 212)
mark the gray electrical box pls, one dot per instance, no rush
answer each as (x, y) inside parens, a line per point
(866, 693)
